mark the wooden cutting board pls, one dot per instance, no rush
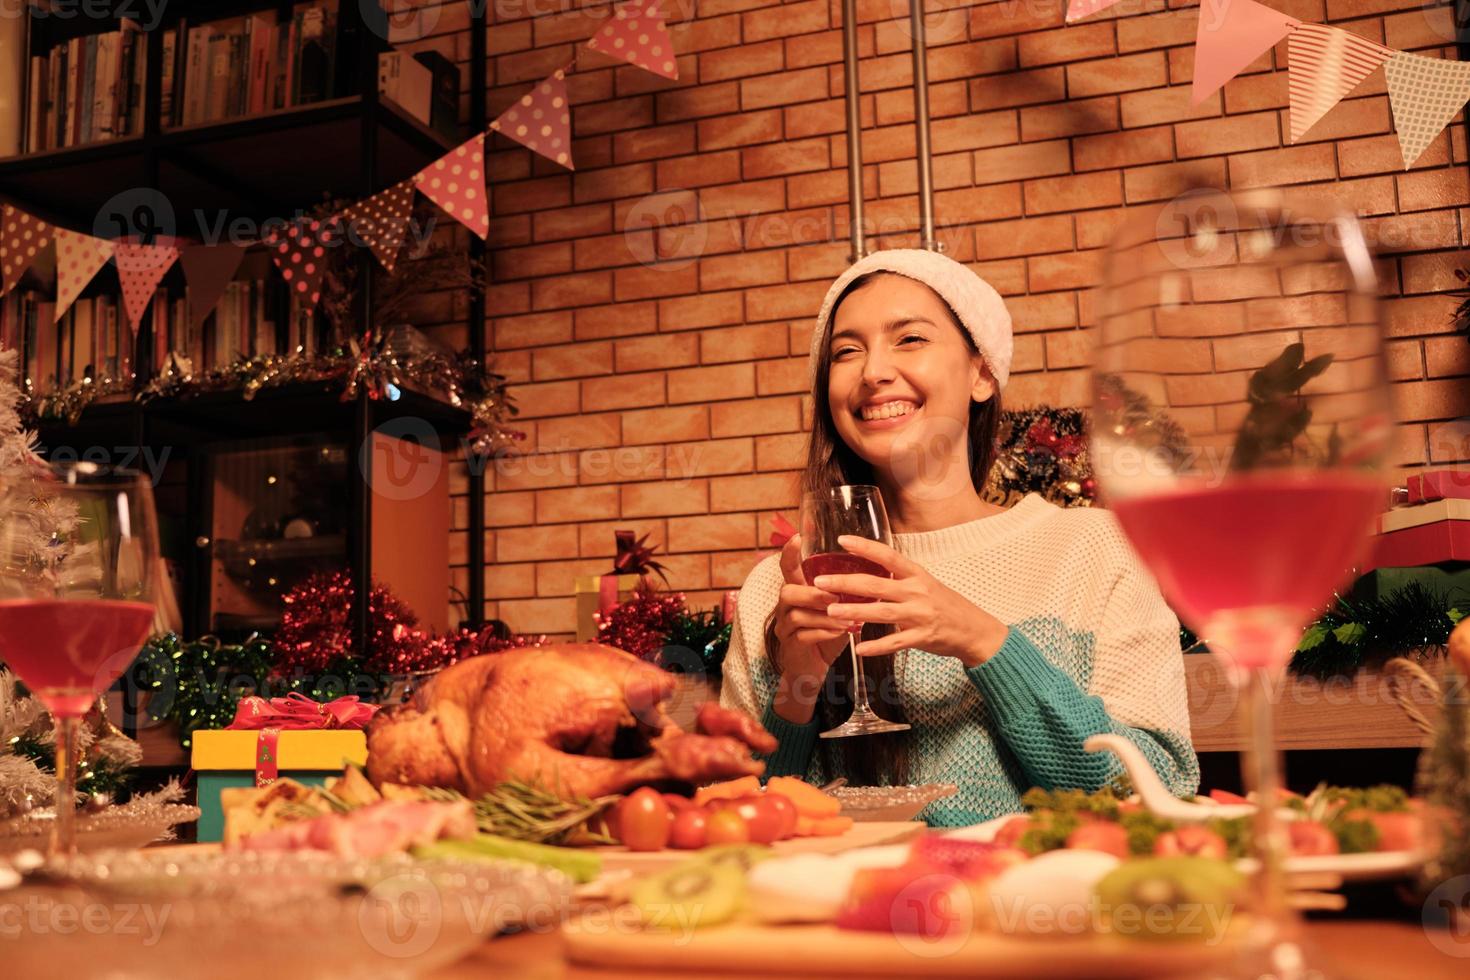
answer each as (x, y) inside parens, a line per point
(602, 942)
(619, 858)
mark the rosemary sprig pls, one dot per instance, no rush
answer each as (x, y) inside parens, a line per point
(522, 811)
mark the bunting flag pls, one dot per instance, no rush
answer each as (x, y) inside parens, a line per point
(1231, 34)
(1325, 64)
(1078, 9)
(541, 120)
(1424, 95)
(637, 34)
(78, 257)
(140, 268)
(22, 238)
(380, 221)
(456, 182)
(208, 269)
(298, 251)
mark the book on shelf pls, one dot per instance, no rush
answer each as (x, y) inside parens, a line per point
(90, 340)
(84, 90)
(407, 82)
(14, 69)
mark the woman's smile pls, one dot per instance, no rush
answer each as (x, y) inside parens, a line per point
(887, 413)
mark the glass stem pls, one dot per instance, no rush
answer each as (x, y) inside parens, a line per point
(859, 682)
(1261, 770)
(63, 831)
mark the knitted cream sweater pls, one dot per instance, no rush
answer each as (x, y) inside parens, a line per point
(1092, 648)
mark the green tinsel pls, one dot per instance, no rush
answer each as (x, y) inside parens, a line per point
(96, 774)
(696, 643)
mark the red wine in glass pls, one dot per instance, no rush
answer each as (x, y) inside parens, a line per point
(78, 569)
(825, 517)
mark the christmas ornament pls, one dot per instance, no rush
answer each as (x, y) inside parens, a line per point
(641, 624)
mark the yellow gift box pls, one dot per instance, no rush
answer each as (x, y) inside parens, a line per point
(305, 749)
(589, 600)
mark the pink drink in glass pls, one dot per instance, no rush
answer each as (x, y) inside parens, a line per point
(68, 651)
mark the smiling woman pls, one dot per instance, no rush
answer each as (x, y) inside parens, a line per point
(1005, 638)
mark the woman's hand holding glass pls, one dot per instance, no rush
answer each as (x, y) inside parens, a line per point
(926, 614)
(810, 639)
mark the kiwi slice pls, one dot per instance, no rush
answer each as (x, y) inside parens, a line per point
(1168, 898)
(740, 856)
(695, 894)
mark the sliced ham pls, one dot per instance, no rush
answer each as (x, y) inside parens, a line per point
(388, 827)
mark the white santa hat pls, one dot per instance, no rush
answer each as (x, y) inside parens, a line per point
(974, 301)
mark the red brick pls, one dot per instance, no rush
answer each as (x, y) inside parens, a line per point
(653, 142)
(635, 112)
(1427, 27)
(713, 532)
(580, 289)
(791, 157)
(643, 282)
(1165, 105)
(695, 103)
(699, 170)
(1290, 165)
(1018, 88)
(1250, 93)
(1008, 276)
(576, 504)
(972, 132)
(750, 197)
(715, 457)
(572, 361)
(784, 302)
(549, 616)
(978, 203)
(1126, 74)
(506, 581)
(950, 171)
(1350, 118)
(617, 320)
(1141, 184)
(1065, 270)
(746, 343)
(532, 330)
(578, 432)
(945, 99)
(1395, 234)
(1053, 389)
(1074, 193)
(959, 61)
(510, 509)
(665, 498)
(701, 384)
(1067, 44)
(748, 59)
(1231, 134)
(1126, 149)
(758, 416)
(1444, 356)
(621, 464)
(1043, 311)
(1381, 154)
(559, 578)
(658, 351)
(729, 569)
(1423, 189)
(781, 377)
(1424, 400)
(1029, 236)
(784, 88)
(531, 543)
(629, 180)
(1021, 161)
(1418, 315)
(744, 129)
(662, 425)
(604, 251)
(599, 540)
(780, 452)
(766, 491)
(707, 310)
(517, 196)
(706, 33)
(785, 19)
(572, 222)
(1071, 118)
(623, 391)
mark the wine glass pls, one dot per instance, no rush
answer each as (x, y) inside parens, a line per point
(826, 515)
(78, 570)
(1241, 423)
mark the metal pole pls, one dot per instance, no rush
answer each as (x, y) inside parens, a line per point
(854, 128)
(479, 82)
(921, 127)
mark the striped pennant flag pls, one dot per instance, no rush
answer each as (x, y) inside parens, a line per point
(1325, 65)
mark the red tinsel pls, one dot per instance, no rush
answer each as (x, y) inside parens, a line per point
(640, 624)
(316, 632)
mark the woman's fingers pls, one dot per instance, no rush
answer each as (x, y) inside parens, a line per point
(791, 561)
(809, 619)
(879, 552)
(806, 597)
(868, 586)
(870, 612)
(817, 637)
(892, 643)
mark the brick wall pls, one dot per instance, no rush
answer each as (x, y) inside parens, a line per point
(667, 397)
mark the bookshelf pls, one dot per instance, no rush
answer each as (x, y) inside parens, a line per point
(244, 168)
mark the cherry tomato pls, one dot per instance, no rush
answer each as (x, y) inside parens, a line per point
(678, 803)
(644, 821)
(1403, 831)
(690, 829)
(726, 827)
(1191, 839)
(786, 810)
(1309, 837)
(763, 822)
(1098, 835)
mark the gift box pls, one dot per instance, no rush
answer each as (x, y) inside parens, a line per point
(599, 593)
(1439, 485)
(226, 759)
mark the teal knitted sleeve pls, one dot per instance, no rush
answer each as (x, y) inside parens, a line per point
(794, 747)
(1044, 718)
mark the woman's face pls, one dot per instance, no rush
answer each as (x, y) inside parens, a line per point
(900, 370)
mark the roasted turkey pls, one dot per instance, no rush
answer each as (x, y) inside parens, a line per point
(580, 719)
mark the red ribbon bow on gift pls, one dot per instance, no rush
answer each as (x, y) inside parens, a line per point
(635, 557)
(294, 712)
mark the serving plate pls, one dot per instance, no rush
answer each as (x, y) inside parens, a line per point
(121, 827)
(889, 803)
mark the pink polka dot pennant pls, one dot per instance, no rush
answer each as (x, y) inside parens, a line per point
(22, 238)
(78, 257)
(456, 182)
(542, 120)
(379, 222)
(140, 268)
(637, 34)
(299, 251)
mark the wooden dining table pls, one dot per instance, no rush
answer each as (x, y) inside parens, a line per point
(1350, 949)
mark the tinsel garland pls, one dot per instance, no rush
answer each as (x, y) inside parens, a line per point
(659, 627)
(374, 365)
(1413, 621)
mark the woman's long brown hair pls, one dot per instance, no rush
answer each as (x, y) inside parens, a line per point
(874, 759)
